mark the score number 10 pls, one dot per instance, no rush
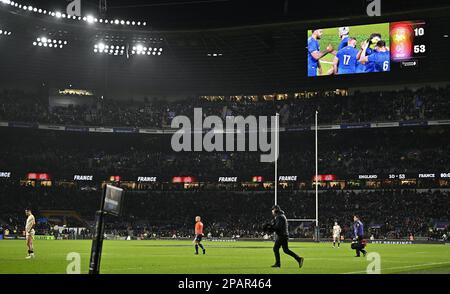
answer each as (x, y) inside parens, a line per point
(419, 32)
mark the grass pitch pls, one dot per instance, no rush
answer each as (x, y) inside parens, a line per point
(177, 257)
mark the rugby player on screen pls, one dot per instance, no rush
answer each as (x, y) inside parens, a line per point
(369, 66)
(343, 36)
(346, 59)
(381, 57)
(314, 53)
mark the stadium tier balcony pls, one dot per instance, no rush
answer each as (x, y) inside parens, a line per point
(386, 106)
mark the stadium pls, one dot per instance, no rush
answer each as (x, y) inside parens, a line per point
(115, 138)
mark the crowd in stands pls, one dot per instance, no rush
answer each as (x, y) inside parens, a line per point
(401, 105)
(392, 214)
(240, 214)
(352, 152)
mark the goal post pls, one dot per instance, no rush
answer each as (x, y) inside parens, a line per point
(277, 142)
(316, 182)
(316, 178)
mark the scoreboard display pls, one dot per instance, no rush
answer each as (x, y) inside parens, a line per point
(408, 42)
(363, 49)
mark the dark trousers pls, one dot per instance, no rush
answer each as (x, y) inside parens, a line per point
(282, 242)
(359, 247)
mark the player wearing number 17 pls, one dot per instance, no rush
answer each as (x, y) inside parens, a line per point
(346, 59)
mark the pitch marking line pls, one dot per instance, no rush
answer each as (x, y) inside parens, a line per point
(402, 267)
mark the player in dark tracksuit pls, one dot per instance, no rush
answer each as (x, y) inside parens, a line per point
(280, 227)
(358, 230)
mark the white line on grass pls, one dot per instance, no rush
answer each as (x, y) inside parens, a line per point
(402, 267)
(121, 269)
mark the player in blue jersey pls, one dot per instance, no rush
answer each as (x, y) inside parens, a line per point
(381, 57)
(346, 59)
(314, 53)
(369, 66)
(343, 36)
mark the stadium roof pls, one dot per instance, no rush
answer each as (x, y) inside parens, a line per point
(203, 14)
(246, 59)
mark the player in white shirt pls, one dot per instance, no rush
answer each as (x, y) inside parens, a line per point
(336, 235)
(29, 232)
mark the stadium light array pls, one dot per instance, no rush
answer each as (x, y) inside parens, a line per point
(141, 49)
(51, 43)
(214, 54)
(88, 19)
(116, 50)
(5, 33)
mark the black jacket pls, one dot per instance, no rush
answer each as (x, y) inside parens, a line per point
(280, 225)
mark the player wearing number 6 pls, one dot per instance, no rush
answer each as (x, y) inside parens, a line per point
(381, 57)
(346, 59)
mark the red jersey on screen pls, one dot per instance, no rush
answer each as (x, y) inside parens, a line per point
(199, 228)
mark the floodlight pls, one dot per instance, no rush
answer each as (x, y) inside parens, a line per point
(90, 19)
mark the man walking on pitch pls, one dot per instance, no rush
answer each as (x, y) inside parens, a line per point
(29, 232)
(358, 230)
(198, 235)
(280, 227)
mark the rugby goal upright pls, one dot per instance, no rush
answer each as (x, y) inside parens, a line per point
(316, 178)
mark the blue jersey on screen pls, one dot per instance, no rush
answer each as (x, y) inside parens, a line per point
(343, 44)
(368, 66)
(313, 45)
(360, 68)
(381, 61)
(347, 60)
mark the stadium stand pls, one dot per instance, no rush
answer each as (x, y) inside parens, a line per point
(151, 213)
(402, 105)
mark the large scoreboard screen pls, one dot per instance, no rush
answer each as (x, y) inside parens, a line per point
(408, 41)
(362, 49)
